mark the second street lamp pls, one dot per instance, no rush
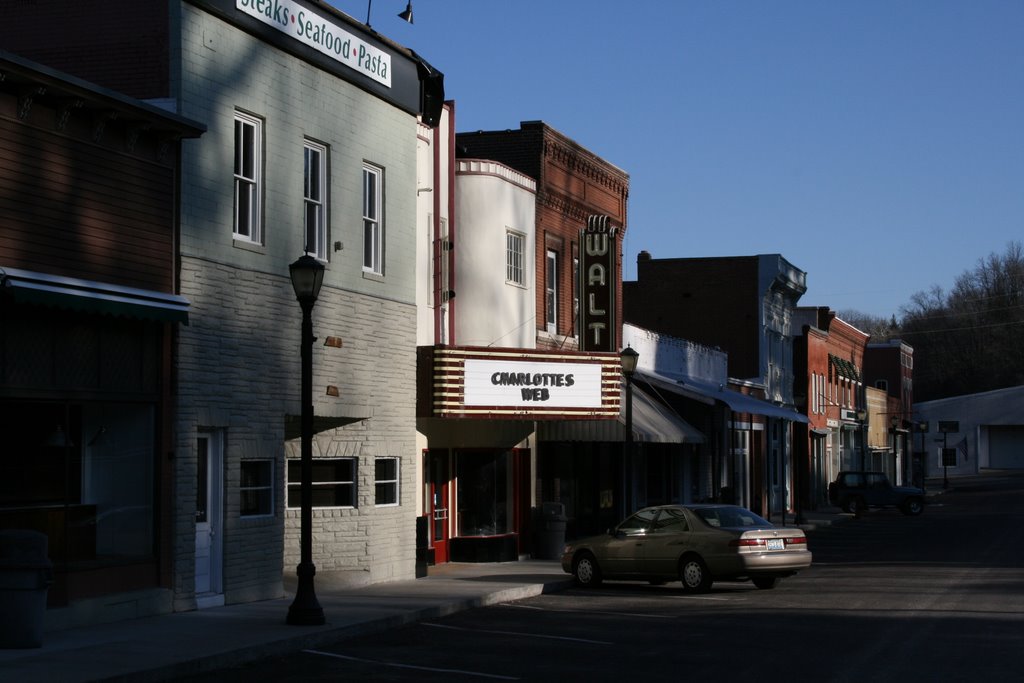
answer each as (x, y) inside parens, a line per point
(628, 359)
(307, 275)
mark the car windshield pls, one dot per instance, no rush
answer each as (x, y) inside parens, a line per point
(731, 517)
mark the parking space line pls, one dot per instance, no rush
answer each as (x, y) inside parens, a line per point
(521, 634)
(411, 666)
(704, 597)
(592, 611)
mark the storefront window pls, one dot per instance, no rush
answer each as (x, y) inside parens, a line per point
(83, 474)
(484, 492)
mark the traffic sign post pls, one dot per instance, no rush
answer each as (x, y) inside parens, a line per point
(948, 454)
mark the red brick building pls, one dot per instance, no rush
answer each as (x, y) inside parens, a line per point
(572, 184)
(89, 310)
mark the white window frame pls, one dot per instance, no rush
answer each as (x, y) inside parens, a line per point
(551, 291)
(515, 250)
(267, 487)
(247, 220)
(293, 487)
(373, 223)
(391, 484)
(314, 195)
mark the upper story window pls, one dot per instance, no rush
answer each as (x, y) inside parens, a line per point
(514, 246)
(315, 199)
(373, 230)
(248, 177)
(551, 292)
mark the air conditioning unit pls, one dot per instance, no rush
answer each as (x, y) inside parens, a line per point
(848, 414)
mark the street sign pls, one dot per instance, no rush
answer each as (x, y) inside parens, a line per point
(949, 457)
(949, 426)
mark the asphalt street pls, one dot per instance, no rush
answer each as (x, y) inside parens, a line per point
(939, 597)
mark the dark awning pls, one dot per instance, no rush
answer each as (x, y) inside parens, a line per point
(42, 289)
(652, 423)
(737, 402)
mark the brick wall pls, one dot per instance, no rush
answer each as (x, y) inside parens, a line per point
(238, 361)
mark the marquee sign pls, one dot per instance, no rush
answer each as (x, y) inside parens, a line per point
(597, 284)
(524, 384)
(321, 34)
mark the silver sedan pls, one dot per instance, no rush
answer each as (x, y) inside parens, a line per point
(695, 544)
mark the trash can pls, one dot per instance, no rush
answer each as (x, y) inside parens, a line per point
(25, 576)
(551, 535)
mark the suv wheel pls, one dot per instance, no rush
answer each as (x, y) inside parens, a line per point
(855, 504)
(912, 506)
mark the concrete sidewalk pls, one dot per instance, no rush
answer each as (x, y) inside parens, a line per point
(174, 645)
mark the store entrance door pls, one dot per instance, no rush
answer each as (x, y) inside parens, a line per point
(438, 487)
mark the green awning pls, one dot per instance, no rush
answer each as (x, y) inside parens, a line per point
(41, 289)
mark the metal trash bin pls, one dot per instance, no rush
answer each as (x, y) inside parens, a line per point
(25, 576)
(551, 534)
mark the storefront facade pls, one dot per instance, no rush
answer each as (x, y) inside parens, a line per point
(89, 314)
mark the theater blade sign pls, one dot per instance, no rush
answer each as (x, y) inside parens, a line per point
(597, 284)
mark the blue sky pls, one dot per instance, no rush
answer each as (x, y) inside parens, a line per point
(878, 145)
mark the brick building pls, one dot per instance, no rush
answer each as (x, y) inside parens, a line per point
(742, 305)
(829, 359)
(573, 183)
(311, 149)
(90, 308)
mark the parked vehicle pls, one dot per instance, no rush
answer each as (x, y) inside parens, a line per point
(857, 491)
(695, 544)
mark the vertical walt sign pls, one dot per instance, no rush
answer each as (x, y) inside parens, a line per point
(597, 285)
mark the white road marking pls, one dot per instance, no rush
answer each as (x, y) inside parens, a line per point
(520, 634)
(411, 666)
(702, 597)
(590, 611)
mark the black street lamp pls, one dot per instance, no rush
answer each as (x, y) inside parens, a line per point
(628, 359)
(307, 275)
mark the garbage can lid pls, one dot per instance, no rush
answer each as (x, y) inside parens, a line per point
(23, 548)
(553, 509)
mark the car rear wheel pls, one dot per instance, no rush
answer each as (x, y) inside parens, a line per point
(856, 505)
(766, 582)
(586, 571)
(694, 574)
(912, 506)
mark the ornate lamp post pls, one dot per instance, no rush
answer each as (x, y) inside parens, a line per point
(628, 359)
(307, 275)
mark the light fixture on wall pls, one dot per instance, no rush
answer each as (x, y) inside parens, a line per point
(58, 438)
(407, 14)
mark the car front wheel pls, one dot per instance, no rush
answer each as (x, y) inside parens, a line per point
(586, 571)
(912, 506)
(694, 574)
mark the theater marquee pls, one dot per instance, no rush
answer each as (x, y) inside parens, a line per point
(525, 384)
(597, 280)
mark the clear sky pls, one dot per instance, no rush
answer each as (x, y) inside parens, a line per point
(877, 145)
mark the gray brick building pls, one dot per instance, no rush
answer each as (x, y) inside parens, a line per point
(311, 148)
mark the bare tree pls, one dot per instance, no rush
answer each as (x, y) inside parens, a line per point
(966, 341)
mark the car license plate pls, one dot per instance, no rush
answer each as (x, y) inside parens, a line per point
(776, 544)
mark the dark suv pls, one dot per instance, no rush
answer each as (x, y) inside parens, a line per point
(857, 491)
